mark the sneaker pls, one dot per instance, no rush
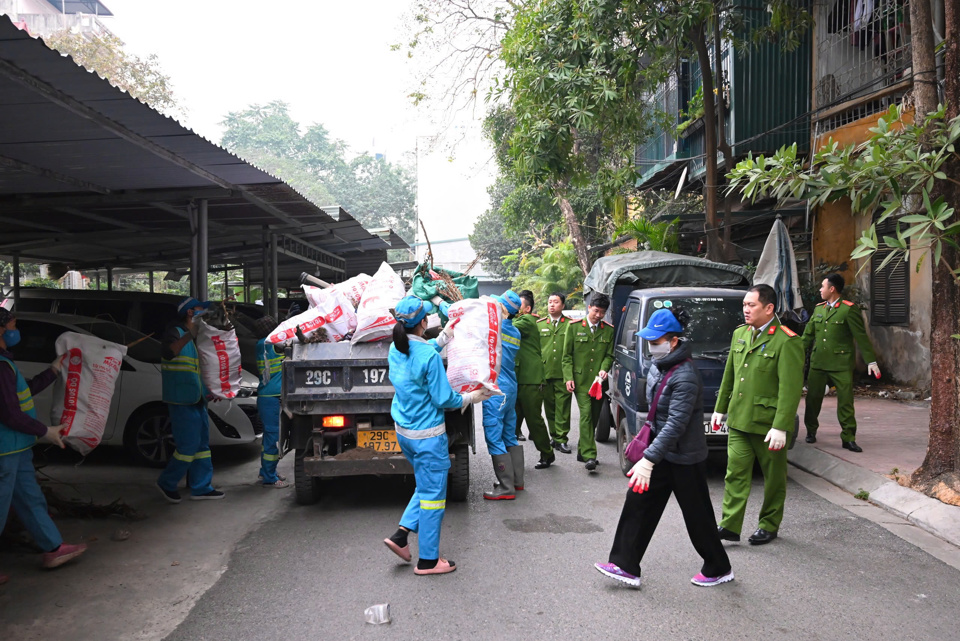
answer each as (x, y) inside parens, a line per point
(62, 554)
(614, 572)
(279, 476)
(709, 582)
(209, 496)
(279, 484)
(171, 497)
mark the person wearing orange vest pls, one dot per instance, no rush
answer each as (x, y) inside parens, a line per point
(19, 431)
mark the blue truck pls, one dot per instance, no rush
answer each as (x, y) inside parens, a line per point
(639, 284)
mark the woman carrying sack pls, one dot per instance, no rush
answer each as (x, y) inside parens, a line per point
(673, 463)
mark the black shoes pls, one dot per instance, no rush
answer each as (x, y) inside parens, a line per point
(852, 446)
(563, 447)
(591, 464)
(727, 535)
(580, 458)
(761, 537)
(521, 437)
(545, 463)
(811, 438)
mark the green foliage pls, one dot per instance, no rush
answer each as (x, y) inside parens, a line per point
(656, 236)
(49, 283)
(141, 78)
(378, 193)
(694, 111)
(549, 270)
(895, 171)
(862, 495)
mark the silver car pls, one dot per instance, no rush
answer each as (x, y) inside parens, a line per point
(138, 417)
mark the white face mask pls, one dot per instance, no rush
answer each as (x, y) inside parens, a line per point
(659, 350)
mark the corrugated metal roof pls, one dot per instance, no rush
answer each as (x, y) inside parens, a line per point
(92, 177)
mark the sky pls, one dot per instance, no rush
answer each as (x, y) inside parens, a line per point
(331, 61)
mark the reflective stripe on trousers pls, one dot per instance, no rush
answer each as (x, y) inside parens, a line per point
(430, 458)
(191, 434)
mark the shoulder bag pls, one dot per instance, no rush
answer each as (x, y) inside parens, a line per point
(641, 441)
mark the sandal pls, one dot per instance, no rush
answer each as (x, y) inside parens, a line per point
(443, 567)
(279, 484)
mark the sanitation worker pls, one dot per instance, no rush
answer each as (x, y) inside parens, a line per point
(270, 365)
(556, 398)
(530, 381)
(186, 399)
(835, 325)
(758, 398)
(588, 355)
(421, 395)
(500, 413)
(19, 431)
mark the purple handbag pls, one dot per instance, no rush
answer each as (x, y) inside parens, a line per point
(640, 443)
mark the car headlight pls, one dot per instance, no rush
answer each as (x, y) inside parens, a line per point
(246, 392)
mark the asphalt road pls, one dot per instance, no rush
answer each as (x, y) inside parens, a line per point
(525, 571)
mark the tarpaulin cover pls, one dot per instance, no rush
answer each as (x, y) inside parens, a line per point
(426, 288)
(661, 269)
(777, 267)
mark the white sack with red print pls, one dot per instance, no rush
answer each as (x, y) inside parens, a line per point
(473, 354)
(353, 288)
(219, 351)
(329, 309)
(83, 392)
(374, 319)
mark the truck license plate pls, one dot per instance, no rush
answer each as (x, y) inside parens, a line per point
(369, 375)
(379, 440)
(708, 429)
(320, 377)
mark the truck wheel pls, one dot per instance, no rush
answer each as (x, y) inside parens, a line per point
(623, 439)
(458, 480)
(306, 488)
(602, 429)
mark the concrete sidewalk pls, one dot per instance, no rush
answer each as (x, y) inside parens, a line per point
(893, 435)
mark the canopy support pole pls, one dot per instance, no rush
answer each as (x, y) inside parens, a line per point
(109, 279)
(274, 303)
(151, 282)
(194, 250)
(203, 253)
(16, 281)
(265, 272)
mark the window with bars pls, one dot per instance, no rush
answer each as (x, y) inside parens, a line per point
(890, 286)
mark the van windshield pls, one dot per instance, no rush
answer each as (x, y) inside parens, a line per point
(712, 321)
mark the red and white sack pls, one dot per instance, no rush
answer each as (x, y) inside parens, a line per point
(473, 354)
(383, 292)
(329, 309)
(353, 288)
(84, 389)
(219, 352)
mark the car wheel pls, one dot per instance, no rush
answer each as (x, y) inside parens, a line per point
(601, 431)
(458, 480)
(148, 437)
(623, 439)
(307, 489)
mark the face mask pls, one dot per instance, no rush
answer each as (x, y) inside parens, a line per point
(198, 314)
(11, 337)
(660, 350)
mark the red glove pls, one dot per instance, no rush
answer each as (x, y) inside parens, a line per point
(596, 390)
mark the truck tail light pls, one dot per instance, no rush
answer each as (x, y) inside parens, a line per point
(335, 422)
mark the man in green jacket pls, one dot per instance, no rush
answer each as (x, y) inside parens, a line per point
(530, 381)
(587, 355)
(758, 398)
(556, 398)
(835, 326)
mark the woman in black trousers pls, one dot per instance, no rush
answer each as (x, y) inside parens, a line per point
(673, 463)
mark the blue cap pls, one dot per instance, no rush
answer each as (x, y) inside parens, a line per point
(662, 322)
(189, 303)
(411, 310)
(511, 300)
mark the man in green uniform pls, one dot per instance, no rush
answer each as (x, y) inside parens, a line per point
(835, 325)
(758, 397)
(588, 354)
(556, 398)
(530, 381)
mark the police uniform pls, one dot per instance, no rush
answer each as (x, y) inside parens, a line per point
(530, 383)
(586, 353)
(761, 389)
(270, 365)
(831, 333)
(185, 396)
(556, 398)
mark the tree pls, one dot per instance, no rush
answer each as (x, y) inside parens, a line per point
(554, 269)
(908, 169)
(377, 192)
(143, 79)
(656, 236)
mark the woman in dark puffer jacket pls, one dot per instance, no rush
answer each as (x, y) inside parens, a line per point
(673, 463)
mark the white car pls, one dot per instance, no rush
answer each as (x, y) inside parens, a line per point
(138, 417)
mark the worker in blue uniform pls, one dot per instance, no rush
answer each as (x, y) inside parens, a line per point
(269, 364)
(421, 394)
(500, 412)
(186, 399)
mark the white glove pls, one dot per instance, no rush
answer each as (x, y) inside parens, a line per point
(476, 396)
(873, 370)
(776, 438)
(716, 421)
(446, 334)
(640, 475)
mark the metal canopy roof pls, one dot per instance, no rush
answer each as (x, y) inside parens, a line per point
(94, 178)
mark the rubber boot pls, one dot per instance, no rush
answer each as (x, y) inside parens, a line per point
(503, 468)
(516, 456)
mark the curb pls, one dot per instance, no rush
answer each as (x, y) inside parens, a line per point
(938, 518)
